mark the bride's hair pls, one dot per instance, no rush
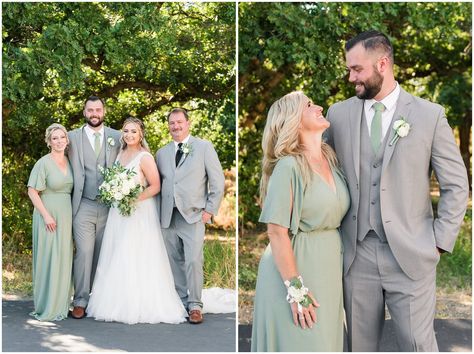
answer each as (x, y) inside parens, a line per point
(141, 127)
(281, 138)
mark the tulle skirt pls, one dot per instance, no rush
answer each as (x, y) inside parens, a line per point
(133, 282)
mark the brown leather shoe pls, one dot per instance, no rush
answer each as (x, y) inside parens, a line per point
(195, 316)
(78, 312)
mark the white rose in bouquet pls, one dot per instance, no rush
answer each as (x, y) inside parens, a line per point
(118, 195)
(119, 189)
(125, 189)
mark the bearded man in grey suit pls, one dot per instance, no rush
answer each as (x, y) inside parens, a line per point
(192, 186)
(388, 143)
(90, 146)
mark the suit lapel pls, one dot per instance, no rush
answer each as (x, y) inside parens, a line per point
(172, 155)
(107, 151)
(185, 156)
(402, 110)
(80, 145)
(106, 146)
(355, 122)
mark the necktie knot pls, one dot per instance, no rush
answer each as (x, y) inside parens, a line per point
(378, 107)
(180, 145)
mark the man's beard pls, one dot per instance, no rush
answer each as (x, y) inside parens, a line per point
(100, 120)
(371, 87)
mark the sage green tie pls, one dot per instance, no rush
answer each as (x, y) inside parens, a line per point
(97, 144)
(376, 126)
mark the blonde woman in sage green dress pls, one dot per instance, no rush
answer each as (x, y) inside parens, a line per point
(49, 188)
(304, 200)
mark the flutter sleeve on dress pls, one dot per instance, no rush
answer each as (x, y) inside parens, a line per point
(276, 207)
(37, 178)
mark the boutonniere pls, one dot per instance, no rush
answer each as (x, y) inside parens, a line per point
(110, 141)
(187, 148)
(402, 128)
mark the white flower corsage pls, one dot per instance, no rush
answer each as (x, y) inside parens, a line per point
(187, 148)
(297, 292)
(402, 128)
(110, 141)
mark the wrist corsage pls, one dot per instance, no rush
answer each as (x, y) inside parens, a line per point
(297, 292)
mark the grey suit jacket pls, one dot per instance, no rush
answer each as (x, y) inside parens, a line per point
(412, 232)
(76, 158)
(196, 184)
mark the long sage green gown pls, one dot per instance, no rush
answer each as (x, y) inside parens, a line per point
(52, 251)
(317, 213)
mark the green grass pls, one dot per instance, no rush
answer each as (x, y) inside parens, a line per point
(16, 274)
(219, 262)
(455, 269)
(251, 247)
(219, 265)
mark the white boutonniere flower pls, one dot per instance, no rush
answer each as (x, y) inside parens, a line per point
(187, 148)
(110, 141)
(402, 128)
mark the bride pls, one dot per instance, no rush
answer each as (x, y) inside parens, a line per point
(133, 282)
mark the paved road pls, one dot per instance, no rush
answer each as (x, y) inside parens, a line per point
(21, 332)
(452, 336)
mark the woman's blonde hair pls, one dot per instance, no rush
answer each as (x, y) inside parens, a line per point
(141, 127)
(281, 138)
(52, 128)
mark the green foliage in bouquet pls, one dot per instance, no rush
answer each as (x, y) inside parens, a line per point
(119, 189)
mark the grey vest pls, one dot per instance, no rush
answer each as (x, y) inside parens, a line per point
(370, 217)
(93, 179)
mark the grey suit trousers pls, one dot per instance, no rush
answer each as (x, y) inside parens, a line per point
(184, 244)
(376, 279)
(88, 229)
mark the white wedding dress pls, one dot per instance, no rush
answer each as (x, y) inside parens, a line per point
(219, 300)
(133, 281)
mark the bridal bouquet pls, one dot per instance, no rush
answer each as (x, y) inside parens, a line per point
(119, 188)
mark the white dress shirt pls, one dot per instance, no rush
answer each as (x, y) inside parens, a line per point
(390, 103)
(90, 135)
(185, 141)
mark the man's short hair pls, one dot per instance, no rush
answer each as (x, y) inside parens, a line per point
(93, 99)
(372, 40)
(177, 110)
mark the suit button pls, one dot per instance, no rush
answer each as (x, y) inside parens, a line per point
(372, 202)
(354, 217)
(374, 184)
(375, 165)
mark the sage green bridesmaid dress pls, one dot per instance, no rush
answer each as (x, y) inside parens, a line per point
(52, 251)
(314, 220)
